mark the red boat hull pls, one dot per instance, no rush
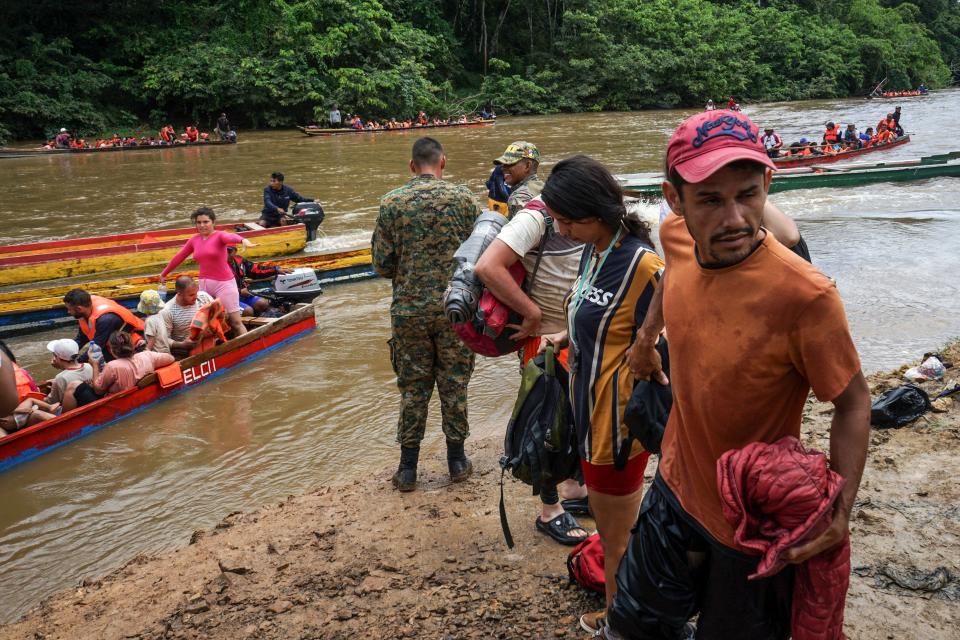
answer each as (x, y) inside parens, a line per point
(33, 441)
(804, 161)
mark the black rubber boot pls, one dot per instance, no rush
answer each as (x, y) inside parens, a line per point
(458, 463)
(405, 479)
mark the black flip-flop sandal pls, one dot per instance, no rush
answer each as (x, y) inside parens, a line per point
(559, 529)
(576, 506)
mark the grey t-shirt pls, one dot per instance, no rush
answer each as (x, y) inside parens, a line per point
(64, 378)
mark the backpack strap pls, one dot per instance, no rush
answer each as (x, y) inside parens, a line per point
(548, 221)
(504, 525)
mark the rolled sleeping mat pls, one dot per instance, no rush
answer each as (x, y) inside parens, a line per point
(462, 296)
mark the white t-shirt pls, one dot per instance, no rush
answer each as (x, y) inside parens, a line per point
(558, 267)
(155, 327)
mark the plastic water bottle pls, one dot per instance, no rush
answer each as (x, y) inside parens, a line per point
(94, 352)
(162, 291)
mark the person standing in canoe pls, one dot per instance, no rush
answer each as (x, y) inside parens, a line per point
(209, 249)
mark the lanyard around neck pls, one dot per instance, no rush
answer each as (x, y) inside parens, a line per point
(585, 284)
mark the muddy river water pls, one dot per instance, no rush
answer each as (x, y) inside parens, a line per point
(323, 409)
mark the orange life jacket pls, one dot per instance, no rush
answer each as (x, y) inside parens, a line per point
(805, 152)
(26, 387)
(831, 136)
(208, 325)
(99, 306)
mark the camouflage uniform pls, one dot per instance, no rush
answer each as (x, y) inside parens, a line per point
(419, 228)
(531, 186)
(520, 195)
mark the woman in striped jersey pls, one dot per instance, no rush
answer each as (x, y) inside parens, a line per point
(619, 272)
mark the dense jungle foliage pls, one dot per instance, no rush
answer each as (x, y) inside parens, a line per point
(103, 64)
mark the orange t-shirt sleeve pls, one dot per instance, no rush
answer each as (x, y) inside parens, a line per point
(821, 347)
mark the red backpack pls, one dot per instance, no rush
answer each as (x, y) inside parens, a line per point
(585, 564)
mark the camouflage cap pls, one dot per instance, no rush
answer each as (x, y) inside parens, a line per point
(517, 151)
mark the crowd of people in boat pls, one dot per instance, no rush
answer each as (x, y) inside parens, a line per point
(836, 138)
(115, 347)
(919, 91)
(167, 136)
(338, 120)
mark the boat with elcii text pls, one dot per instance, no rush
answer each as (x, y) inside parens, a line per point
(801, 161)
(26, 311)
(265, 335)
(647, 185)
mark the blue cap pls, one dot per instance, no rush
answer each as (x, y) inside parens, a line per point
(803, 141)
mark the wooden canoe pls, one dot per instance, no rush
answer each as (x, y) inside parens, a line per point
(128, 252)
(321, 131)
(28, 311)
(816, 177)
(8, 152)
(31, 442)
(802, 161)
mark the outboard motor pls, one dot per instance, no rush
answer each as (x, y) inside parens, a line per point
(302, 285)
(309, 214)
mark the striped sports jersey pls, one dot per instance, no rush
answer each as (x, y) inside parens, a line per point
(603, 328)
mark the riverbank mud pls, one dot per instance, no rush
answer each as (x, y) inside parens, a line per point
(360, 560)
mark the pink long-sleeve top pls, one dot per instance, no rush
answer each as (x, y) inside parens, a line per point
(209, 253)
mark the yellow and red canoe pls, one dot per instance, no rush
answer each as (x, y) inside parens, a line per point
(129, 252)
(26, 311)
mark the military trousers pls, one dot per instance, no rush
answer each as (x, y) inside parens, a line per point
(425, 352)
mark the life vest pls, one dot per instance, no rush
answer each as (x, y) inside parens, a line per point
(208, 325)
(770, 141)
(830, 136)
(26, 387)
(99, 306)
(805, 152)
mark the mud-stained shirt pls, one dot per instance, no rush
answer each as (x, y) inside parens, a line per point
(747, 343)
(420, 226)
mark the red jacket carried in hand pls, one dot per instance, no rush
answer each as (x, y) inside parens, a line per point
(778, 496)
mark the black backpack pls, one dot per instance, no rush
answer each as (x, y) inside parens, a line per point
(540, 447)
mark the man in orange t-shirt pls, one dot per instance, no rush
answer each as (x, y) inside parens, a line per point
(752, 328)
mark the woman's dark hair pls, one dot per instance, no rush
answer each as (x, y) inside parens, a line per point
(580, 187)
(121, 344)
(203, 211)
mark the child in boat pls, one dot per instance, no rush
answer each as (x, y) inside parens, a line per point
(154, 327)
(122, 373)
(65, 358)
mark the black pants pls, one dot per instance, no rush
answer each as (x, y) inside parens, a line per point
(671, 572)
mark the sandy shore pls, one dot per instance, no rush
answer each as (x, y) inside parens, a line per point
(363, 561)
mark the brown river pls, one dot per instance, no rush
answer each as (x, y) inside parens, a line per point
(323, 409)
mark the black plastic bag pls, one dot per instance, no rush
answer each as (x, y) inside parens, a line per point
(648, 410)
(897, 407)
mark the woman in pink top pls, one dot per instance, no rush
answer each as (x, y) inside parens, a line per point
(209, 249)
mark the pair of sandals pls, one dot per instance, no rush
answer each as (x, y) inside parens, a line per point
(562, 526)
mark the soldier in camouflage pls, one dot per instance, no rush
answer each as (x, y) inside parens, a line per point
(420, 226)
(520, 163)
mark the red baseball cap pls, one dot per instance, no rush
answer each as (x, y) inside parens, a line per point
(709, 141)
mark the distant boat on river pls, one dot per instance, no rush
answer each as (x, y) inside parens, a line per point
(7, 152)
(322, 131)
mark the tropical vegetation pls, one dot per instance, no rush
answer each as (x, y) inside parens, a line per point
(103, 64)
